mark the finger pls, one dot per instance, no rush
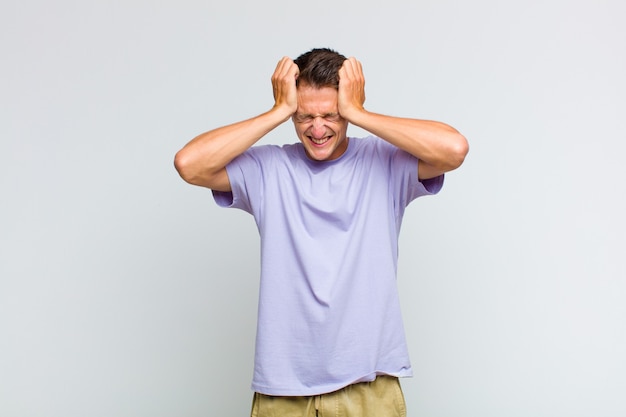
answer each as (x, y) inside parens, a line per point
(345, 70)
(351, 70)
(287, 70)
(280, 67)
(356, 68)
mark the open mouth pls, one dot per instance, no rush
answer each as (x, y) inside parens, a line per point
(320, 141)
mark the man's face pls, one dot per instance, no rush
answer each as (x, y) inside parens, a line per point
(318, 124)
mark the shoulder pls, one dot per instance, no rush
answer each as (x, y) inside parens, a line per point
(266, 154)
(288, 150)
(374, 146)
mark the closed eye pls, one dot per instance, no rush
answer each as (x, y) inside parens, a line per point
(307, 118)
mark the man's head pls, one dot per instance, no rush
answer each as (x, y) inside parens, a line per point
(319, 68)
(319, 126)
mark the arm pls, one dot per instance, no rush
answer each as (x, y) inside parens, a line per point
(439, 147)
(203, 160)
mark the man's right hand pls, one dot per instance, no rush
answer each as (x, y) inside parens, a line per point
(203, 160)
(284, 86)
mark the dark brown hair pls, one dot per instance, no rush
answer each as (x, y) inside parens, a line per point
(319, 68)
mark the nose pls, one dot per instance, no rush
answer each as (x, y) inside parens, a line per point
(318, 130)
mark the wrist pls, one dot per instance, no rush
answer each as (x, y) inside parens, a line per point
(282, 111)
(355, 115)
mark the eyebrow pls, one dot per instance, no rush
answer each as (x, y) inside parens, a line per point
(307, 115)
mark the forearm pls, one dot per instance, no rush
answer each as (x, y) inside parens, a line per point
(434, 143)
(206, 156)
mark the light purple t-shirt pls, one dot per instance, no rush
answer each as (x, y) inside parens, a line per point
(329, 313)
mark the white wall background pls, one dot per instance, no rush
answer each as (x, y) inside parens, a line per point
(125, 292)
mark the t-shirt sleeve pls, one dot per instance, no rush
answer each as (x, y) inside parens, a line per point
(431, 185)
(246, 181)
(405, 173)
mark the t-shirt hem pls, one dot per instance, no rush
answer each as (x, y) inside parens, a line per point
(325, 389)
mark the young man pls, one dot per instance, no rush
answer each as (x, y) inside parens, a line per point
(330, 338)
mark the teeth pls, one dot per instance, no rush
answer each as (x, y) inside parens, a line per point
(319, 141)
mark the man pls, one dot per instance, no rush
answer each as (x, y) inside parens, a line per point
(330, 339)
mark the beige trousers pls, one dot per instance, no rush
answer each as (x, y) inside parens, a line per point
(380, 398)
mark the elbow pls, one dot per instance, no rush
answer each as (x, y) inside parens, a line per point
(195, 171)
(460, 150)
(456, 153)
(184, 166)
